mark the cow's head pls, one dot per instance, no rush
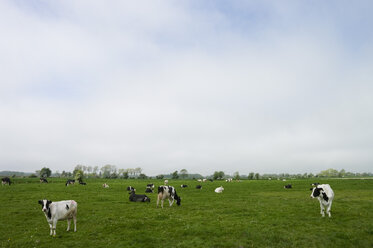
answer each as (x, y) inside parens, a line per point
(178, 200)
(45, 205)
(316, 192)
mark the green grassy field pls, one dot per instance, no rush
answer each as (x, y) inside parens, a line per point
(247, 214)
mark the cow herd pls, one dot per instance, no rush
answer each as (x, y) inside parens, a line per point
(67, 210)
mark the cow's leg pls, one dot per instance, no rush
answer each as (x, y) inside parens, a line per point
(328, 209)
(54, 227)
(74, 217)
(51, 229)
(171, 202)
(322, 209)
(68, 224)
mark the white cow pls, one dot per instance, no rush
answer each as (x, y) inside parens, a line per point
(219, 189)
(166, 182)
(62, 210)
(325, 195)
(105, 185)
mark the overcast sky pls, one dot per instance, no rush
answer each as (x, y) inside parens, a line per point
(262, 86)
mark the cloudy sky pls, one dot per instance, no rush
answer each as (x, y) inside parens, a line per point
(262, 86)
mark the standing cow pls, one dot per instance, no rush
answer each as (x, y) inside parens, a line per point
(61, 210)
(6, 180)
(325, 195)
(168, 192)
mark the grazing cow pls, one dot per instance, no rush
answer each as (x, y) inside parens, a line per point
(183, 186)
(62, 210)
(168, 192)
(199, 180)
(70, 181)
(149, 190)
(325, 195)
(288, 186)
(219, 189)
(150, 185)
(105, 185)
(229, 180)
(138, 198)
(166, 182)
(130, 188)
(204, 180)
(43, 180)
(6, 180)
(199, 187)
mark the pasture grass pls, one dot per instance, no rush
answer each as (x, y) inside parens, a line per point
(247, 214)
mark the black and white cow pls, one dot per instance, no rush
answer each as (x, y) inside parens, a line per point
(130, 188)
(183, 186)
(70, 181)
(138, 198)
(149, 190)
(82, 183)
(61, 210)
(168, 192)
(43, 180)
(6, 180)
(325, 195)
(199, 187)
(150, 185)
(288, 186)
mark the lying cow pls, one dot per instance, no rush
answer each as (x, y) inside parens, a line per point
(149, 190)
(288, 186)
(168, 192)
(150, 185)
(6, 180)
(62, 210)
(219, 189)
(43, 180)
(70, 181)
(105, 185)
(183, 186)
(138, 198)
(325, 195)
(82, 183)
(199, 187)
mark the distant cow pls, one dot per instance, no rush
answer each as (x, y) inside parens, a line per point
(168, 192)
(150, 185)
(166, 182)
(43, 180)
(62, 210)
(183, 186)
(70, 181)
(130, 188)
(229, 180)
(138, 198)
(325, 195)
(315, 184)
(149, 190)
(6, 180)
(288, 186)
(105, 185)
(82, 183)
(199, 187)
(219, 189)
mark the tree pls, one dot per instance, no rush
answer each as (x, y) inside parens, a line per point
(142, 176)
(160, 176)
(236, 176)
(257, 176)
(218, 175)
(184, 173)
(251, 176)
(45, 172)
(78, 175)
(175, 175)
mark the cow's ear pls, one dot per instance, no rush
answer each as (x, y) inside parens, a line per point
(49, 202)
(40, 202)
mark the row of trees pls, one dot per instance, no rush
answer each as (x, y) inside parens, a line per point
(111, 171)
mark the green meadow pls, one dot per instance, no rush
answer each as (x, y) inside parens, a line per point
(253, 213)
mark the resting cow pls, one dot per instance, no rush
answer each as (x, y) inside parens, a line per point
(168, 192)
(325, 195)
(70, 181)
(219, 189)
(43, 180)
(288, 186)
(183, 186)
(138, 198)
(61, 210)
(199, 187)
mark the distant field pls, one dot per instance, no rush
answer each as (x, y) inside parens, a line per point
(247, 214)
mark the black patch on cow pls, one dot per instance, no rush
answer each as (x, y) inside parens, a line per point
(316, 192)
(325, 197)
(67, 207)
(160, 189)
